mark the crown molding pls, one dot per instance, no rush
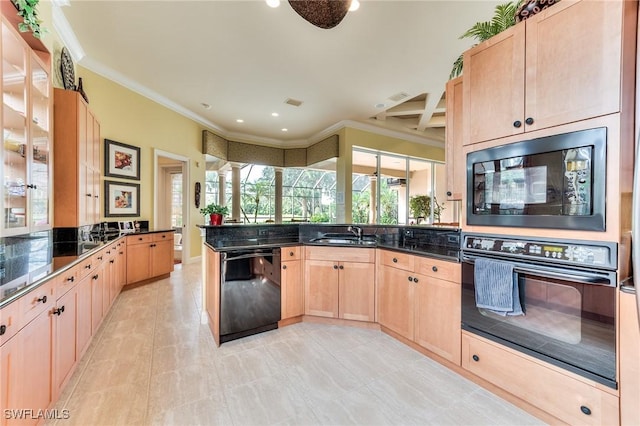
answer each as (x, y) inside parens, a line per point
(374, 129)
(68, 37)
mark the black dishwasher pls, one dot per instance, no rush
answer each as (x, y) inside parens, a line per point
(249, 293)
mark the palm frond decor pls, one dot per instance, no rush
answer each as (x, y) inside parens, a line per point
(504, 16)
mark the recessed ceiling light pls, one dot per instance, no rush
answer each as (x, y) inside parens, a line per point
(275, 114)
(285, 130)
(205, 105)
(355, 5)
(273, 3)
(240, 120)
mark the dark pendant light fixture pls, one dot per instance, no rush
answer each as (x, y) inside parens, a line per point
(321, 13)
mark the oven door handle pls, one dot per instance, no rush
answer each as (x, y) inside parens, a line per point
(566, 275)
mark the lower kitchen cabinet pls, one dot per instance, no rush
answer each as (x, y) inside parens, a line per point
(568, 398)
(419, 298)
(97, 294)
(291, 286)
(83, 315)
(340, 283)
(9, 361)
(65, 351)
(149, 256)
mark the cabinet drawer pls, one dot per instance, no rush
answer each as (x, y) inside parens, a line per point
(85, 267)
(290, 253)
(397, 260)
(162, 236)
(450, 271)
(338, 254)
(99, 257)
(36, 301)
(66, 281)
(9, 321)
(139, 239)
(539, 385)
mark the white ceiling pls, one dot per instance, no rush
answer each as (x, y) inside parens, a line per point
(244, 59)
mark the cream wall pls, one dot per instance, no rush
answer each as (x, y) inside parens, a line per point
(130, 118)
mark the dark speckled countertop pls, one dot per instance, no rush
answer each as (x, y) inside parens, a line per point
(29, 260)
(439, 242)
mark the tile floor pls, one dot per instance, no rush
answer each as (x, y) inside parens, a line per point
(153, 363)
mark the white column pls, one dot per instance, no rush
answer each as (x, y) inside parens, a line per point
(222, 187)
(278, 194)
(373, 199)
(235, 193)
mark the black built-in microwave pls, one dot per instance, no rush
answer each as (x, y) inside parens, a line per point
(553, 182)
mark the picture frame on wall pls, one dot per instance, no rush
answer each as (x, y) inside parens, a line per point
(122, 199)
(121, 160)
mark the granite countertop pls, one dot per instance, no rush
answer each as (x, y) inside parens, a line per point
(28, 261)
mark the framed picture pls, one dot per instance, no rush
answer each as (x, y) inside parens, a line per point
(122, 199)
(121, 160)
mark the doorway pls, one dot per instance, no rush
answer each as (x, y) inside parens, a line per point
(171, 205)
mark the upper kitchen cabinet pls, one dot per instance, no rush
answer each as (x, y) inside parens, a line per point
(77, 166)
(26, 115)
(560, 66)
(456, 175)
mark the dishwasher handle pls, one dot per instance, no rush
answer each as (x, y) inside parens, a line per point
(226, 257)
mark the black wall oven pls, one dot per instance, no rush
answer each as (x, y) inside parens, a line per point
(552, 182)
(566, 290)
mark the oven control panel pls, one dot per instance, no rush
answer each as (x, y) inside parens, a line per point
(574, 253)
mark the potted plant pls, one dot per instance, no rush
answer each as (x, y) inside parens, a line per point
(27, 9)
(216, 213)
(504, 17)
(420, 206)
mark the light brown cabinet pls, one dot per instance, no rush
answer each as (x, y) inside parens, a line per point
(560, 66)
(419, 299)
(77, 169)
(212, 291)
(65, 352)
(629, 359)
(26, 139)
(340, 283)
(149, 256)
(566, 397)
(455, 164)
(291, 286)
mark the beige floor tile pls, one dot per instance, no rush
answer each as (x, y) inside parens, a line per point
(271, 400)
(103, 374)
(358, 407)
(179, 387)
(205, 412)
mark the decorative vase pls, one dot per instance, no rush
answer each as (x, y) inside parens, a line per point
(80, 90)
(215, 219)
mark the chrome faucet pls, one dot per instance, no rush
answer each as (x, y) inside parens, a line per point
(357, 231)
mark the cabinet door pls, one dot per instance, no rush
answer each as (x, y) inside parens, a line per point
(83, 315)
(15, 147)
(456, 169)
(161, 258)
(437, 317)
(138, 262)
(97, 284)
(34, 374)
(65, 339)
(85, 176)
(573, 62)
(122, 264)
(41, 170)
(629, 360)
(357, 291)
(395, 301)
(321, 290)
(292, 289)
(9, 360)
(493, 87)
(114, 288)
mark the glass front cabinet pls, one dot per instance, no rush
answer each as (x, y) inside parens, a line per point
(26, 137)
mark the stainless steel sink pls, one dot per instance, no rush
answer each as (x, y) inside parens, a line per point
(343, 240)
